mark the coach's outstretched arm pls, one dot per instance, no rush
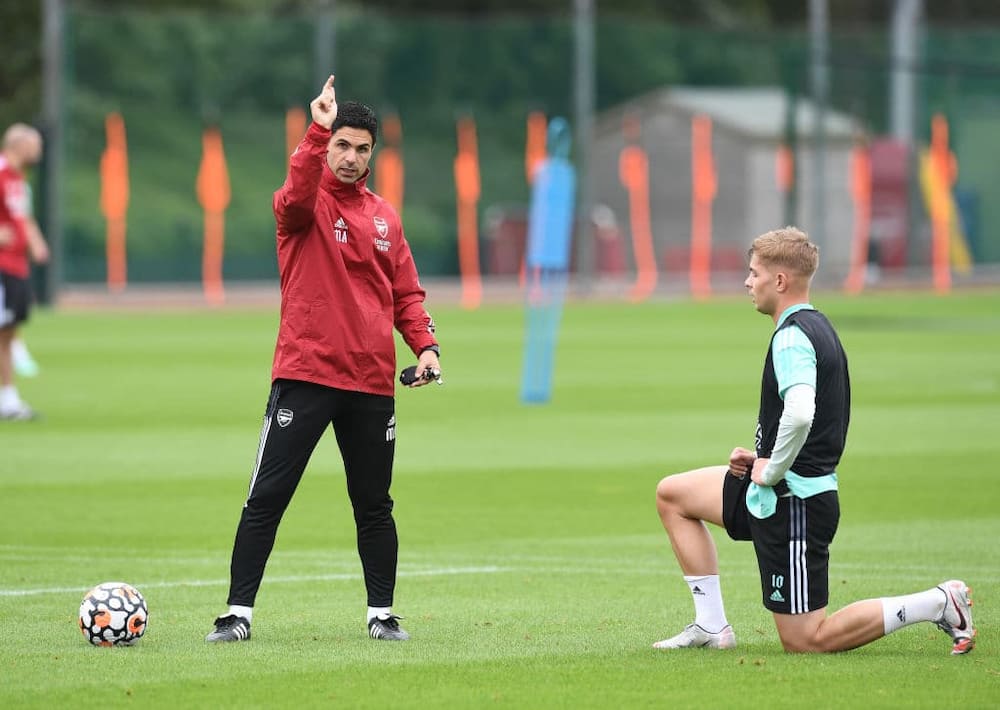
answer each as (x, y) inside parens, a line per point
(294, 202)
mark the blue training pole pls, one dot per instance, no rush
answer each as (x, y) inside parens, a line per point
(550, 228)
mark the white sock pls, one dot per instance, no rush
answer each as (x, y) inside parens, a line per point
(709, 613)
(898, 612)
(245, 611)
(9, 398)
(374, 611)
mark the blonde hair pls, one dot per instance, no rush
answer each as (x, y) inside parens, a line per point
(789, 247)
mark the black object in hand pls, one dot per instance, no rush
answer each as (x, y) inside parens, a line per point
(409, 375)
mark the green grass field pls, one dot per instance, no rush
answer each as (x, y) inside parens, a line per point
(533, 568)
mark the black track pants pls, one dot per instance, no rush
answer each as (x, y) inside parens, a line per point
(297, 414)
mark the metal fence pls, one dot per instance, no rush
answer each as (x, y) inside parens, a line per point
(170, 77)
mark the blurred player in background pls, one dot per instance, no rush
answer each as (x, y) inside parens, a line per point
(347, 278)
(20, 242)
(783, 496)
(24, 363)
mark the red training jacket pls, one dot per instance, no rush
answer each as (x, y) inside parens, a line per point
(347, 277)
(14, 209)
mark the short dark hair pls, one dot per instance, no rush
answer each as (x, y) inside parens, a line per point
(356, 115)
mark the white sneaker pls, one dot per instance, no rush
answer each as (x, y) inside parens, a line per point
(693, 636)
(21, 412)
(956, 621)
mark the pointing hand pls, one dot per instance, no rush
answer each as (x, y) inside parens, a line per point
(324, 106)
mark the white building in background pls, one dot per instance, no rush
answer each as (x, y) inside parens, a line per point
(748, 126)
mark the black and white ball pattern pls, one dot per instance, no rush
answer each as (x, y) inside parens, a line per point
(113, 614)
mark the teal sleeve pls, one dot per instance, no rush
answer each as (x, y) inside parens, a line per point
(794, 359)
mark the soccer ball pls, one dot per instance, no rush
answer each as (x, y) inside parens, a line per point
(113, 614)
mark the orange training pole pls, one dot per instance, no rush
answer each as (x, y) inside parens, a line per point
(534, 144)
(784, 169)
(861, 195)
(467, 189)
(213, 192)
(633, 171)
(389, 174)
(211, 261)
(114, 199)
(784, 178)
(295, 129)
(943, 176)
(704, 185)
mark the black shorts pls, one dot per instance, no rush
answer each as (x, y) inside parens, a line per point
(792, 546)
(15, 299)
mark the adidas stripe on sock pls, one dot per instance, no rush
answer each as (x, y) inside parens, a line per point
(710, 614)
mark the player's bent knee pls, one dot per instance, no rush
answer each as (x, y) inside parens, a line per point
(800, 633)
(798, 646)
(667, 492)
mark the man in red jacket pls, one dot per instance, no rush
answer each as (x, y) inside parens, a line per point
(347, 278)
(20, 240)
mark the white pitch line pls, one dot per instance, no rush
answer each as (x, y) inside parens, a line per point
(270, 580)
